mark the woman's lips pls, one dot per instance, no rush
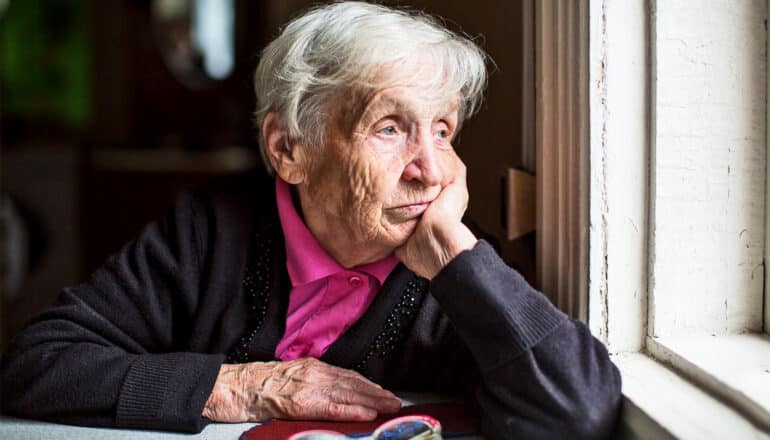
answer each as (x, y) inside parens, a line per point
(408, 212)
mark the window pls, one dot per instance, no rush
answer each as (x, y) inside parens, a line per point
(677, 231)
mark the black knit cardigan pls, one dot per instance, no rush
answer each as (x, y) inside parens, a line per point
(140, 344)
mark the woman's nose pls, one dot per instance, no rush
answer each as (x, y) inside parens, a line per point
(425, 165)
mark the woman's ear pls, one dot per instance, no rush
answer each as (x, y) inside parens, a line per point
(284, 154)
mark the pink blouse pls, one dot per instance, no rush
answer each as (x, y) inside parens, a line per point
(325, 298)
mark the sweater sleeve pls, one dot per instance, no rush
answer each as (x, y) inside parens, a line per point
(542, 374)
(113, 352)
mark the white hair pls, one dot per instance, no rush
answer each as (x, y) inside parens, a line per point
(343, 46)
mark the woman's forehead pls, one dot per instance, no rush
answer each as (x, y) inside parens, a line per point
(416, 82)
(415, 100)
(414, 91)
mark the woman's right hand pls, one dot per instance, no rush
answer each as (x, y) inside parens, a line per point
(301, 389)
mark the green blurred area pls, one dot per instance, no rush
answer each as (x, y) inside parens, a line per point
(45, 61)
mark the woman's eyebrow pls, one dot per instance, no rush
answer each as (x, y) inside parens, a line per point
(388, 104)
(380, 105)
(449, 108)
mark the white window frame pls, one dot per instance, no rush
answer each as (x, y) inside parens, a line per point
(766, 310)
(597, 58)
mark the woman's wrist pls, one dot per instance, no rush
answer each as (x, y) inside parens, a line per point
(220, 401)
(458, 240)
(235, 395)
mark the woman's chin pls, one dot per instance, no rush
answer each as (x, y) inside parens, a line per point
(401, 232)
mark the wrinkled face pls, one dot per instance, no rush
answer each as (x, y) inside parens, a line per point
(380, 168)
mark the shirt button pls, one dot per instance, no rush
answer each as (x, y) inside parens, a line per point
(355, 281)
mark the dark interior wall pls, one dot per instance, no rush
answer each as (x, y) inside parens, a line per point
(82, 211)
(140, 104)
(42, 182)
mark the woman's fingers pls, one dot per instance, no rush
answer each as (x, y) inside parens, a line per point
(360, 384)
(347, 396)
(452, 201)
(345, 378)
(317, 403)
(350, 387)
(341, 413)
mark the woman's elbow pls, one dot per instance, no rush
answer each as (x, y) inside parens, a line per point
(596, 411)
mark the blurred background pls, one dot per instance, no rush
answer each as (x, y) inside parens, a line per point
(109, 107)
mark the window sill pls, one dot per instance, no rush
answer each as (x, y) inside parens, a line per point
(658, 403)
(734, 368)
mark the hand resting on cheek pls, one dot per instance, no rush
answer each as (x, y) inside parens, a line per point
(440, 234)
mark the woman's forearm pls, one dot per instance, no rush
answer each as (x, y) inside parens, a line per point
(542, 374)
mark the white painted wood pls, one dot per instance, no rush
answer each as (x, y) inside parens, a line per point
(735, 368)
(597, 237)
(562, 152)
(677, 95)
(709, 167)
(676, 405)
(635, 424)
(619, 145)
(766, 311)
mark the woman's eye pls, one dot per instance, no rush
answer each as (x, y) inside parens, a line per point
(388, 131)
(443, 133)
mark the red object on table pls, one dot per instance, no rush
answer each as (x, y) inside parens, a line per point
(456, 419)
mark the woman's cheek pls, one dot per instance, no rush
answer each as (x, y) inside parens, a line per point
(390, 160)
(387, 145)
(448, 162)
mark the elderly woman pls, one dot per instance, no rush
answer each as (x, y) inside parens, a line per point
(309, 294)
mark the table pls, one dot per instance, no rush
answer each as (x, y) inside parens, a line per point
(24, 429)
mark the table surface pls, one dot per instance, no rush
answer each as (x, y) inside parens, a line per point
(23, 429)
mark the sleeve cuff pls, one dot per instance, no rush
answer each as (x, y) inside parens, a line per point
(167, 391)
(496, 312)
